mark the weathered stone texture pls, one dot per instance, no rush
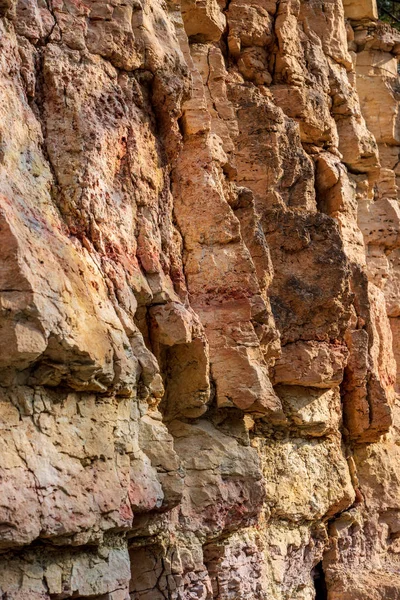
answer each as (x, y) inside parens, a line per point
(199, 300)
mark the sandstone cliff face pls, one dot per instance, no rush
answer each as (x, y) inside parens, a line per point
(200, 300)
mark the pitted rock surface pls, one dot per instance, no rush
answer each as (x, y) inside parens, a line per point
(199, 300)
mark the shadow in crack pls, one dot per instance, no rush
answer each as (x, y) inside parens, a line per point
(318, 575)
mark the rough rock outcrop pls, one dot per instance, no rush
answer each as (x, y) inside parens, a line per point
(199, 300)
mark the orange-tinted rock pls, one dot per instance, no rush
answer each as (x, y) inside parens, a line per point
(199, 300)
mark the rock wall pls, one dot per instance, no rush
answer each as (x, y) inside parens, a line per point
(200, 300)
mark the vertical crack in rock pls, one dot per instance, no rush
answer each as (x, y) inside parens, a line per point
(321, 592)
(199, 300)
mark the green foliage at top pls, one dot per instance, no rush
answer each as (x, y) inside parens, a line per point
(389, 12)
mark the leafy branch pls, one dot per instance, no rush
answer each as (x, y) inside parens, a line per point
(389, 12)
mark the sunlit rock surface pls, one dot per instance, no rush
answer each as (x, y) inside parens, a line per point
(199, 301)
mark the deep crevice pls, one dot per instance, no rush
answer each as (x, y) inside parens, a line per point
(318, 575)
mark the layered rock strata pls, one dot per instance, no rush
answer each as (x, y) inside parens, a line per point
(200, 300)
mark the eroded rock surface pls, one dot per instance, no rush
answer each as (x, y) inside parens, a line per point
(199, 300)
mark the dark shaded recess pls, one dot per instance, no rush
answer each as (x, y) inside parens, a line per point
(318, 575)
